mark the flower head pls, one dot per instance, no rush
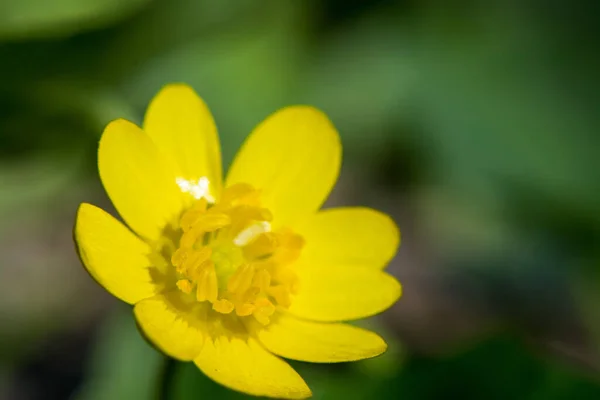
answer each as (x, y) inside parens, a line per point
(232, 274)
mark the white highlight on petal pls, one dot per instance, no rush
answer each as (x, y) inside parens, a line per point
(197, 188)
(251, 232)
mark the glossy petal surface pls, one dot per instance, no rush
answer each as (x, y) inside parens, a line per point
(114, 256)
(294, 158)
(174, 326)
(349, 236)
(303, 340)
(182, 127)
(243, 364)
(332, 293)
(137, 179)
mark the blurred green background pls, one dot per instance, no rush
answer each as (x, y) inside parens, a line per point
(473, 123)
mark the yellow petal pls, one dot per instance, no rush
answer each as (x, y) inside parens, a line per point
(114, 256)
(331, 293)
(182, 127)
(176, 327)
(302, 340)
(243, 364)
(293, 157)
(137, 180)
(349, 236)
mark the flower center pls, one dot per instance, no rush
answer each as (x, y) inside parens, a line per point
(229, 256)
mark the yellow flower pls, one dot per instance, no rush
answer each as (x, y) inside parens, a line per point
(233, 274)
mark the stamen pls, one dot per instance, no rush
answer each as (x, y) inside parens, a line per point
(187, 220)
(241, 193)
(264, 245)
(241, 280)
(245, 236)
(179, 257)
(223, 306)
(189, 238)
(264, 309)
(232, 259)
(244, 310)
(210, 222)
(262, 279)
(185, 286)
(244, 305)
(207, 285)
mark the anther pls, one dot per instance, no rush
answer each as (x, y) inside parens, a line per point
(185, 286)
(241, 280)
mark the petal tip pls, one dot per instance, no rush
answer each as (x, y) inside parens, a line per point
(396, 289)
(380, 348)
(176, 89)
(392, 230)
(83, 214)
(177, 86)
(82, 209)
(303, 392)
(109, 135)
(116, 123)
(305, 112)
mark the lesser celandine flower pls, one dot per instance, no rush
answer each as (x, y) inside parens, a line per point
(232, 274)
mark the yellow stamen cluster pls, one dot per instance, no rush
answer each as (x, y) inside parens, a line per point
(230, 258)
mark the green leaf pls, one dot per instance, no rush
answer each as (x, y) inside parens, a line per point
(361, 77)
(497, 368)
(25, 182)
(501, 114)
(20, 19)
(243, 75)
(124, 365)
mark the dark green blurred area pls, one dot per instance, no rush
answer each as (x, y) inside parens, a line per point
(473, 123)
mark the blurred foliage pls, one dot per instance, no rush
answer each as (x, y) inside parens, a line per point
(512, 115)
(473, 122)
(124, 365)
(497, 368)
(39, 18)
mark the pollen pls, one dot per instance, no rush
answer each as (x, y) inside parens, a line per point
(228, 256)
